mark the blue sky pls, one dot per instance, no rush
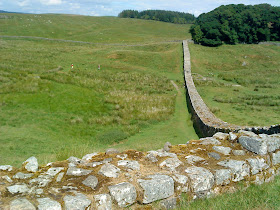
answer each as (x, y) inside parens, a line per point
(112, 8)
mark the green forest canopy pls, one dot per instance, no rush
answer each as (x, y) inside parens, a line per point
(159, 15)
(233, 24)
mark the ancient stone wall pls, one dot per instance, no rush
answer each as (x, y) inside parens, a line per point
(205, 122)
(115, 180)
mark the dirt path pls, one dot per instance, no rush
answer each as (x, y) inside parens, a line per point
(93, 43)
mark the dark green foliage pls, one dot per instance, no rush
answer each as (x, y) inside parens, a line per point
(159, 15)
(233, 24)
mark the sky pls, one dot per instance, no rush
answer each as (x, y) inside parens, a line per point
(114, 7)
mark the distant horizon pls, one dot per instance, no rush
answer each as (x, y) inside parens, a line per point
(112, 8)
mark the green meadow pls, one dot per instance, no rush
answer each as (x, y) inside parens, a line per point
(52, 111)
(239, 83)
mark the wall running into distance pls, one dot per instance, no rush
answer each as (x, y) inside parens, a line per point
(205, 122)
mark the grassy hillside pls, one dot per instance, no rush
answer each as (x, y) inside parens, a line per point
(92, 29)
(52, 111)
(239, 83)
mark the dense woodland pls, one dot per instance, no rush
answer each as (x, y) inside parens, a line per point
(159, 15)
(233, 24)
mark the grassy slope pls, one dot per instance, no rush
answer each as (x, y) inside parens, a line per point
(253, 68)
(54, 114)
(92, 29)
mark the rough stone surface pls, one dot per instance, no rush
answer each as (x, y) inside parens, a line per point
(191, 159)
(254, 144)
(239, 168)
(42, 180)
(201, 178)
(156, 187)
(171, 163)
(214, 155)
(247, 133)
(273, 142)
(223, 150)
(109, 170)
(210, 140)
(232, 137)
(6, 168)
(21, 204)
(103, 202)
(31, 164)
(124, 193)
(59, 177)
(182, 181)
(91, 181)
(169, 203)
(74, 160)
(257, 165)
(167, 146)
(21, 175)
(238, 152)
(130, 164)
(18, 188)
(77, 202)
(221, 136)
(259, 179)
(73, 171)
(54, 171)
(223, 176)
(111, 151)
(276, 158)
(151, 157)
(89, 156)
(48, 204)
(7, 178)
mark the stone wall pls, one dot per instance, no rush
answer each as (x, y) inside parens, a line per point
(115, 180)
(205, 122)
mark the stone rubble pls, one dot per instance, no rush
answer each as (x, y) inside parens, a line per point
(131, 178)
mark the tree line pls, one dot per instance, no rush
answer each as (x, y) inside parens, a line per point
(232, 24)
(159, 15)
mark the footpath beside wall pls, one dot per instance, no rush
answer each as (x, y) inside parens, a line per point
(205, 122)
(114, 180)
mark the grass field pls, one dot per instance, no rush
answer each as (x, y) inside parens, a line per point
(239, 83)
(265, 196)
(53, 112)
(92, 29)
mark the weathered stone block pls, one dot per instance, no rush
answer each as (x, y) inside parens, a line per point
(201, 179)
(223, 176)
(239, 168)
(47, 204)
(158, 187)
(78, 201)
(91, 181)
(254, 144)
(124, 193)
(171, 163)
(223, 150)
(276, 158)
(103, 202)
(109, 170)
(257, 165)
(31, 164)
(21, 204)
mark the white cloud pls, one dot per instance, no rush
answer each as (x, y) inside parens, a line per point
(23, 3)
(51, 2)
